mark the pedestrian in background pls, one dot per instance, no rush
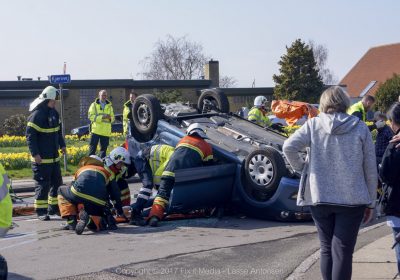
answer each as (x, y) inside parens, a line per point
(390, 175)
(101, 116)
(339, 178)
(383, 136)
(44, 138)
(127, 112)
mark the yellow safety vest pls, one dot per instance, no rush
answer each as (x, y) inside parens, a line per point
(99, 125)
(159, 157)
(125, 119)
(5, 200)
(357, 107)
(257, 116)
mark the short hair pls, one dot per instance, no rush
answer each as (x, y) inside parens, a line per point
(394, 113)
(133, 92)
(334, 100)
(379, 115)
(102, 91)
(369, 98)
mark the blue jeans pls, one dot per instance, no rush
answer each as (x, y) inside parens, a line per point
(397, 248)
(337, 230)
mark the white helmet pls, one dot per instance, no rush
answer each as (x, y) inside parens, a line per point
(196, 128)
(120, 154)
(260, 101)
(49, 92)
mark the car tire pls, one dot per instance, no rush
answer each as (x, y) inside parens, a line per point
(146, 111)
(217, 97)
(264, 169)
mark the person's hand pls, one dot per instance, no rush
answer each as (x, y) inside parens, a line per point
(396, 138)
(379, 124)
(63, 150)
(38, 159)
(368, 214)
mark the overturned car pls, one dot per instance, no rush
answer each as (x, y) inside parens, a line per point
(249, 172)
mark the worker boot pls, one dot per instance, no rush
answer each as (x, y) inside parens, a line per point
(44, 217)
(84, 219)
(136, 218)
(71, 223)
(156, 214)
(111, 223)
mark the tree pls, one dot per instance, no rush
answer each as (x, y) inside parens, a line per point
(227, 82)
(388, 93)
(15, 125)
(175, 59)
(298, 78)
(321, 56)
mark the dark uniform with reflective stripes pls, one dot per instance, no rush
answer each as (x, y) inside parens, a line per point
(44, 137)
(93, 186)
(191, 151)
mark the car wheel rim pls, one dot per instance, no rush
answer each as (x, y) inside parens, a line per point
(261, 170)
(143, 115)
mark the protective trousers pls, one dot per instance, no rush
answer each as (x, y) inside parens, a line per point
(145, 191)
(125, 192)
(48, 179)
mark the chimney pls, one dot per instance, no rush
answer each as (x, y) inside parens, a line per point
(211, 72)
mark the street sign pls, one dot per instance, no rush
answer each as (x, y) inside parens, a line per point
(60, 79)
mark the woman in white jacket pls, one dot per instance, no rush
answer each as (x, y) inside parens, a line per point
(339, 178)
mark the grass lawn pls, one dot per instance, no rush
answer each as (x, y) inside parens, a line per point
(26, 173)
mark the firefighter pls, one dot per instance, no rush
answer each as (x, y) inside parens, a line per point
(127, 112)
(88, 196)
(5, 214)
(44, 137)
(258, 113)
(191, 151)
(149, 164)
(101, 116)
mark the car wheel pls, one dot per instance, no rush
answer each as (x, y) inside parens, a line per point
(146, 111)
(214, 98)
(263, 169)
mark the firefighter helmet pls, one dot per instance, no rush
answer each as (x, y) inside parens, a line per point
(49, 92)
(260, 101)
(120, 154)
(196, 128)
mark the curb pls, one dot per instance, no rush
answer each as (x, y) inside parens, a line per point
(298, 272)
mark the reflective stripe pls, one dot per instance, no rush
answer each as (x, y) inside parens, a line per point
(143, 196)
(124, 191)
(146, 190)
(44, 130)
(210, 157)
(94, 168)
(112, 175)
(47, 160)
(168, 173)
(88, 197)
(160, 201)
(3, 188)
(155, 155)
(193, 148)
(52, 200)
(125, 196)
(40, 204)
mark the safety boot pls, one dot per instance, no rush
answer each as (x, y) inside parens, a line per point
(156, 215)
(111, 223)
(83, 222)
(44, 217)
(136, 218)
(70, 224)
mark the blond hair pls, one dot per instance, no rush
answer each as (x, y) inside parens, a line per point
(334, 100)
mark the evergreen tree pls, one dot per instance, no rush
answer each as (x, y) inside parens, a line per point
(388, 93)
(298, 79)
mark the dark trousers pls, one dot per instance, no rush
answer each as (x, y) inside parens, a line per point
(48, 179)
(146, 176)
(397, 248)
(94, 140)
(3, 268)
(337, 230)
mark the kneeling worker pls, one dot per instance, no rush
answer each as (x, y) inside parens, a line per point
(258, 114)
(149, 164)
(94, 183)
(191, 151)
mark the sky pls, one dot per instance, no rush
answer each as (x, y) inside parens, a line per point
(101, 39)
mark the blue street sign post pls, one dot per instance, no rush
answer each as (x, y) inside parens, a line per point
(60, 80)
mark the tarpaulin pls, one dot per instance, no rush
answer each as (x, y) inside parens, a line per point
(292, 111)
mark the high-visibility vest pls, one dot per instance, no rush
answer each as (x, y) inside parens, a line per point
(358, 107)
(125, 113)
(5, 201)
(257, 116)
(158, 160)
(99, 125)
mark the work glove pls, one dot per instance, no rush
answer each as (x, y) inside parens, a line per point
(379, 124)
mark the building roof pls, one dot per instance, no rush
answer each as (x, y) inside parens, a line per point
(374, 68)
